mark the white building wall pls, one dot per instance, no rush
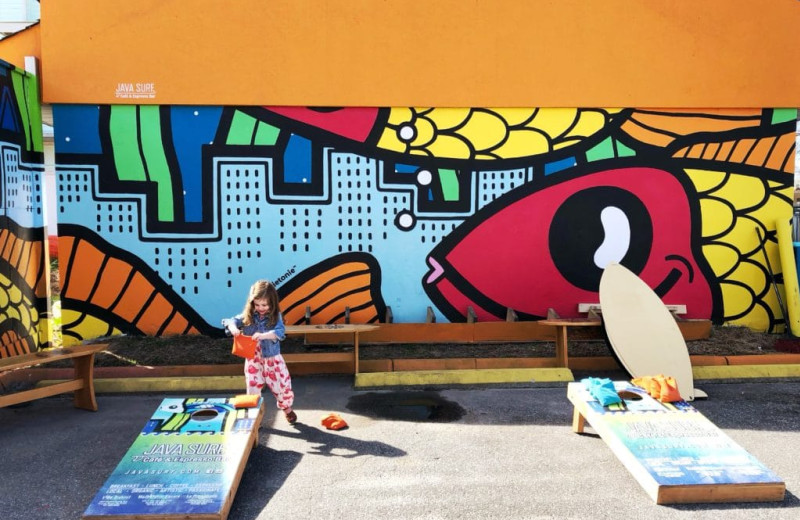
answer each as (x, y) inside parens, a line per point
(49, 188)
(19, 10)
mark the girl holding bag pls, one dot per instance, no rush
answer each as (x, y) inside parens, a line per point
(261, 319)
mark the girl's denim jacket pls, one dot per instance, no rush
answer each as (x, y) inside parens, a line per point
(269, 348)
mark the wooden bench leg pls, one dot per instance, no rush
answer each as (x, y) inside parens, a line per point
(355, 352)
(561, 346)
(578, 421)
(84, 370)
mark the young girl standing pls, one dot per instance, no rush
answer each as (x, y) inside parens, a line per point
(261, 319)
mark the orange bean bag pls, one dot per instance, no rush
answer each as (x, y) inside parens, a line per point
(334, 421)
(246, 401)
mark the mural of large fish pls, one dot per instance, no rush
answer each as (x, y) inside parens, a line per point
(504, 207)
(546, 248)
(689, 233)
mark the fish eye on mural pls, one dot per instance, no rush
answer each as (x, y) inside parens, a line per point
(617, 241)
(595, 227)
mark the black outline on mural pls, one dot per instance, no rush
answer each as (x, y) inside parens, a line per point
(310, 272)
(106, 315)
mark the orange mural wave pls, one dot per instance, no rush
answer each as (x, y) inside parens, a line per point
(662, 127)
(775, 153)
(12, 344)
(348, 285)
(25, 257)
(116, 287)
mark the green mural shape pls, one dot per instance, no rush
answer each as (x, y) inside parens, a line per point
(157, 166)
(245, 130)
(782, 115)
(127, 159)
(266, 134)
(608, 149)
(449, 180)
(139, 152)
(26, 92)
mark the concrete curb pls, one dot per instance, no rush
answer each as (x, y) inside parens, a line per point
(166, 384)
(463, 377)
(746, 371)
(526, 376)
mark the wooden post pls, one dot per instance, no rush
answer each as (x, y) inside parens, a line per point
(471, 317)
(308, 315)
(511, 315)
(562, 347)
(389, 317)
(578, 421)
(430, 317)
(347, 314)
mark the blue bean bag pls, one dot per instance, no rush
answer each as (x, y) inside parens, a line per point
(602, 389)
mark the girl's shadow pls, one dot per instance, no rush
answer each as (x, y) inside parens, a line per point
(337, 445)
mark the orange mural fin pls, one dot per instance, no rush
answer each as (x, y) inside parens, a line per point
(348, 281)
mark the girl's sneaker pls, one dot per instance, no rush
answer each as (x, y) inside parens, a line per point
(291, 417)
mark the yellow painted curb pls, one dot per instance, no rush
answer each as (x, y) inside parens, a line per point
(463, 377)
(166, 384)
(745, 371)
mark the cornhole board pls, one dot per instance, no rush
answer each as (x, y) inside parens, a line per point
(783, 231)
(675, 453)
(642, 332)
(186, 463)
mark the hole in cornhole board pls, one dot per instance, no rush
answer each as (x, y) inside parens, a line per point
(630, 396)
(204, 415)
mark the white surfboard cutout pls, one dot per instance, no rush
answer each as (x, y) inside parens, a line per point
(642, 331)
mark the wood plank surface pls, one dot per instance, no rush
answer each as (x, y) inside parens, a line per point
(48, 356)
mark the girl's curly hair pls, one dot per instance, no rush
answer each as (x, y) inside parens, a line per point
(262, 290)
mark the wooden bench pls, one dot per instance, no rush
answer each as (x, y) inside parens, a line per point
(82, 383)
(352, 329)
(592, 319)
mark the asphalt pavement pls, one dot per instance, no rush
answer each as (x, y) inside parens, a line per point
(483, 453)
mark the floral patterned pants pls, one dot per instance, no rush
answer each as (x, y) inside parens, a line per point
(273, 373)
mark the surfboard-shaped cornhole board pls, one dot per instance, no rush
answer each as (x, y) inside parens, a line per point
(641, 331)
(789, 269)
(675, 453)
(186, 463)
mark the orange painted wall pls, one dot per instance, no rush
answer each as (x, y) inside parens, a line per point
(13, 49)
(573, 53)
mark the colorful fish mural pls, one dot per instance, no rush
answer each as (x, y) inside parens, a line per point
(546, 248)
(24, 263)
(354, 211)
